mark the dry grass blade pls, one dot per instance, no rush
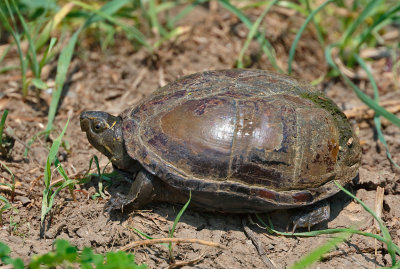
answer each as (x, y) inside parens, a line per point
(184, 263)
(380, 192)
(364, 112)
(7, 189)
(171, 240)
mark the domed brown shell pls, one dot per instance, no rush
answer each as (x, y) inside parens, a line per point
(251, 138)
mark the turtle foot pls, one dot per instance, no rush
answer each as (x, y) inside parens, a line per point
(118, 202)
(319, 213)
(135, 196)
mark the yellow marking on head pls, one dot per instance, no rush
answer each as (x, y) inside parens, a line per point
(108, 149)
(113, 124)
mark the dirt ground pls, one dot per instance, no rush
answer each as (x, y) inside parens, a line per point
(119, 77)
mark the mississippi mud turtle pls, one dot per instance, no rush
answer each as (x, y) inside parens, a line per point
(242, 141)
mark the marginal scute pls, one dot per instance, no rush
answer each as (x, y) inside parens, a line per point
(249, 134)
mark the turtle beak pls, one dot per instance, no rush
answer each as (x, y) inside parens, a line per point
(85, 121)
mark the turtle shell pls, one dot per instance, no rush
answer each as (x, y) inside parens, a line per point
(243, 140)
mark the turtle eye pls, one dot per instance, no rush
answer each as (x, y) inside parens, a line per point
(98, 125)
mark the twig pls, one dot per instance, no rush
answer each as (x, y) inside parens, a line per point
(136, 83)
(34, 182)
(380, 192)
(342, 252)
(8, 189)
(364, 112)
(161, 78)
(171, 240)
(191, 262)
(256, 242)
(11, 133)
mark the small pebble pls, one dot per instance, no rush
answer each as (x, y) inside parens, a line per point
(23, 199)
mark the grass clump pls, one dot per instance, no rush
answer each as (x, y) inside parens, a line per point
(6, 259)
(50, 191)
(67, 256)
(4, 206)
(11, 19)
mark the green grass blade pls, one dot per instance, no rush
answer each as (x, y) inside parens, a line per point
(62, 68)
(13, 21)
(65, 184)
(2, 123)
(9, 68)
(17, 39)
(377, 119)
(317, 254)
(133, 31)
(12, 185)
(154, 20)
(171, 23)
(31, 44)
(357, 22)
(300, 32)
(178, 217)
(40, 84)
(170, 35)
(51, 157)
(142, 234)
(66, 54)
(253, 31)
(294, 6)
(6, 205)
(100, 174)
(365, 98)
(56, 144)
(392, 12)
(47, 192)
(108, 8)
(45, 202)
(316, 25)
(392, 248)
(45, 34)
(161, 7)
(271, 230)
(33, 139)
(265, 45)
(53, 41)
(5, 52)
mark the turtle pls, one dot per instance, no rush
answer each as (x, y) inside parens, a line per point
(237, 140)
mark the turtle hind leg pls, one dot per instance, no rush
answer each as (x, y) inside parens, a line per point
(316, 214)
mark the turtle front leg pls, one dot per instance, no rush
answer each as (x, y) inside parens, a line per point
(145, 189)
(319, 213)
(141, 192)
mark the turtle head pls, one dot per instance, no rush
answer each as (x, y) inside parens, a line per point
(104, 132)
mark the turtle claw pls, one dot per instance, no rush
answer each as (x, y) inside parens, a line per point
(318, 215)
